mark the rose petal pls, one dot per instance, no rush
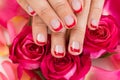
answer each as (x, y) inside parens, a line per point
(100, 74)
(9, 70)
(2, 76)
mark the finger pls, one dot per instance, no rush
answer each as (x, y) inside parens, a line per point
(78, 33)
(77, 5)
(95, 13)
(26, 7)
(65, 12)
(47, 14)
(39, 31)
(58, 44)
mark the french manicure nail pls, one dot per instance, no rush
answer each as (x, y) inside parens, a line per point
(40, 39)
(94, 23)
(70, 21)
(31, 11)
(77, 6)
(75, 47)
(59, 51)
(56, 25)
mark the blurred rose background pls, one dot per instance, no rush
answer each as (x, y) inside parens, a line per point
(13, 19)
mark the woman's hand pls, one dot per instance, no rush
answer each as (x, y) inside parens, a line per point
(60, 11)
(56, 14)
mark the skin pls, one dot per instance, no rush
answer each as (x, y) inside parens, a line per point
(88, 13)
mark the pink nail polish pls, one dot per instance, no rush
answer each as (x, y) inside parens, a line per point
(59, 51)
(31, 11)
(41, 39)
(77, 6)
(74, 50)
(70, 21)
(72, 25)
(41, 43)
(75, 47)
(94, 24)
(56, 25)
(59, 28)
(78, 11)
(59, 54)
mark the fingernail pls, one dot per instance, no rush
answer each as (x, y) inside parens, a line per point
(41, 39)
(59, 51)
(77, 6)
(75, 47)
(56, 25)
(94, 24)
(31, 11)
(70, 21)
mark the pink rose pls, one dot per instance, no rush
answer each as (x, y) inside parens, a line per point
(25, 52)
(104, 38)
(67, 68)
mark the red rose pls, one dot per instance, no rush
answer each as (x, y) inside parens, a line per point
(104, 38)
(25, 52)
(67, 68)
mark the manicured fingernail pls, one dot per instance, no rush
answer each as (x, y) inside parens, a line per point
(56, 25)
(31, 11)
(41, 39)
(94, 24)
(75, 47)
(70, 21)
(59, 51)
(77, 6)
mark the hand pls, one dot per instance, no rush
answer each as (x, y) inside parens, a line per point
(58, 39)
(56, 14)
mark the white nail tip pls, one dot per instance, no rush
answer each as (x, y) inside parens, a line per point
(30, 9)
(55, 23)
(59, 49)
(94, 22)
(69, 20)
(40, 38)
(76, 5)
(75, 45)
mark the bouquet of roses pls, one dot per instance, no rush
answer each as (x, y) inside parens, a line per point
(28, 61)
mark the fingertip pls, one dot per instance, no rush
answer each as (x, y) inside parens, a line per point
(75, 48)
(70, 21)
(30, 11)
(77, 6)
(58, 51)
(93, 24)
(56, 25)
(40, 39)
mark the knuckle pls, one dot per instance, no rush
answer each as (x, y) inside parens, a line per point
(37, 20)
(59, 4)
(43, 11)
(77, 31)
(59, 35)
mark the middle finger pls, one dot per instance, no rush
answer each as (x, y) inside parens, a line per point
(64, 11)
